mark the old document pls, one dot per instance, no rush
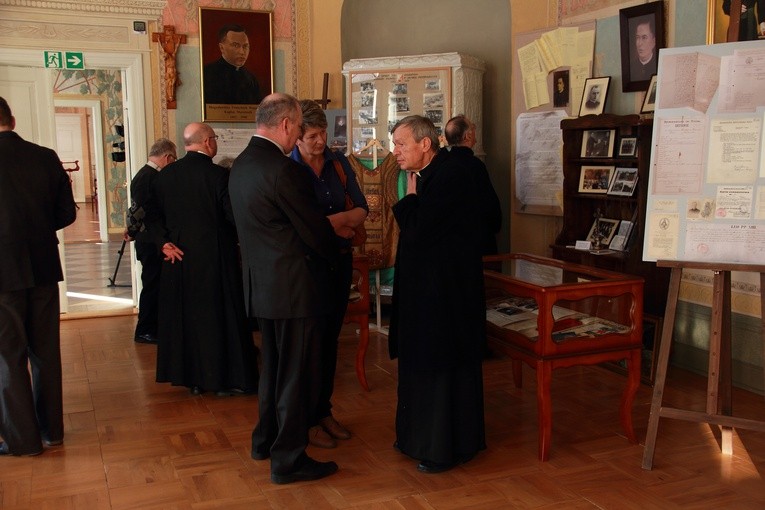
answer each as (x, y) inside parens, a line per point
(742, 81)
(734, 202)
(678, 160)
(531, 72)
(734, 150)
(538, 166)
(733, 242)
(689, 80)
(663, 231)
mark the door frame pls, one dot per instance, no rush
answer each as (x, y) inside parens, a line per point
(134, 104)
(94, 105)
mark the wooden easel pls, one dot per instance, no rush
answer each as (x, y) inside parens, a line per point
(719, 408)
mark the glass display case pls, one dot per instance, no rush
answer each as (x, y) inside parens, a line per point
(552, 314)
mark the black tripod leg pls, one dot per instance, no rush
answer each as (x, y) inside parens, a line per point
(113, 279)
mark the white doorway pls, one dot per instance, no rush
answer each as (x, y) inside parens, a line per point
(27, 85)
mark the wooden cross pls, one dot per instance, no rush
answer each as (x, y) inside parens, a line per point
(169, 42)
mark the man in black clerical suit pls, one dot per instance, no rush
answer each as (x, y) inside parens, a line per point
(289, 251)
(35, 201)
(643, 64)
(751, 24)
(161, 154)
(438, 314)
(205, 342)
(227, 81)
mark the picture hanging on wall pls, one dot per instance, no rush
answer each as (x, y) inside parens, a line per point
(641, 30)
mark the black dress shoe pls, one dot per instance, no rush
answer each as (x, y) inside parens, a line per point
(146, 338)
(311, 470)
(260, 455)
(196, 390)
(4, 450)
(430, 467)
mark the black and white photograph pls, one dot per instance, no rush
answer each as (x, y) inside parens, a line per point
(598, 143)
(602, 229)
(561, 90)
(594, 96)
(367, 86)
(400, 89)
(433, 85)
(434, 100)
(649, 103)
(368, 99)
(624, 182)
(627, 147)
(367, 116)
(402, 104)
(435, 116)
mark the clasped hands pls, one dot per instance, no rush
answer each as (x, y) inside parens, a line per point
(172, 253)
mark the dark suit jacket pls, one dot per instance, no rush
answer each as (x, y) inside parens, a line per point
(288, 245)
(35, 201)
(140, 193)
(491, 209)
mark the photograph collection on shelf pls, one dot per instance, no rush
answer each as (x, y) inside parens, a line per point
(602, 231)
(598, 143)
(624, 182)
(521, 315)
(595, 179)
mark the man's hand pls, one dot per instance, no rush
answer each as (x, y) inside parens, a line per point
(172, 253)
(411, 183)
(126, 236)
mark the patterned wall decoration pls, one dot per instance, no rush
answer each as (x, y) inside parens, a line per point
(107, 86)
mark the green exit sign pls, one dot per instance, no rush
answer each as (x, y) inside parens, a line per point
(64, 59)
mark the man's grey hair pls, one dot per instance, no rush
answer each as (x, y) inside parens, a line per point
(422, 127)
(161, 147)
(276, 107)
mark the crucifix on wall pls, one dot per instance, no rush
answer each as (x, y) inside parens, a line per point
(169, 42)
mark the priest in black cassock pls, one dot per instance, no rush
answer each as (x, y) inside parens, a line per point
(204, 342)
(438, 317)
(227, 80)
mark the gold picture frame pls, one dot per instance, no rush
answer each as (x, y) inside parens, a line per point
(718, 22)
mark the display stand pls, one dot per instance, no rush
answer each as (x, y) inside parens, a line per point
(719, 408)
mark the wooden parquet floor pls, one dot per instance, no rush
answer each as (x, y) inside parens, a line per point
(133, 443)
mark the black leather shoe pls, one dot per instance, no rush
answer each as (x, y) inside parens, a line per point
(311, 470)
(146, 338)
(429, 467)
(196, 390)
(234, 391)
(5, 451)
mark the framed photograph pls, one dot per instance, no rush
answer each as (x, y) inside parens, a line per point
(337, 129)
(236, 54)
(603, 227)
(627, 147)
(595, 179)
(649, 103)
(641, 31)
(561, 90)
(594, 95)
(598, 143)
(624, 182)
(621, 238)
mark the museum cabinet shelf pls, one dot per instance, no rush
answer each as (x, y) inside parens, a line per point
(581, 204)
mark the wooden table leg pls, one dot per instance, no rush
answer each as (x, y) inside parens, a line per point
(628, 397)
(361, 352)
(661, 366)
(544, 408)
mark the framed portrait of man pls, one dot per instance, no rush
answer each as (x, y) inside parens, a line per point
(236, 53)
(641, 30)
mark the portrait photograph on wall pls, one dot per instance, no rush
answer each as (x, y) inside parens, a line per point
(594, 95)
(641, 31)
(751, 25)
(236, 52)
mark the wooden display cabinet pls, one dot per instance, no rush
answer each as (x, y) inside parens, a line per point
(581, 205)
(551, 314)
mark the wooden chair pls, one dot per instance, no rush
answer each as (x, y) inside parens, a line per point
(358, 312)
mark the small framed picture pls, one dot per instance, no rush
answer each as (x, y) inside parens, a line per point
(595, 179)
(649, 103)
(594, 96)
(624, 182)
(628, 147)
(598, 143)
(603, 228)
